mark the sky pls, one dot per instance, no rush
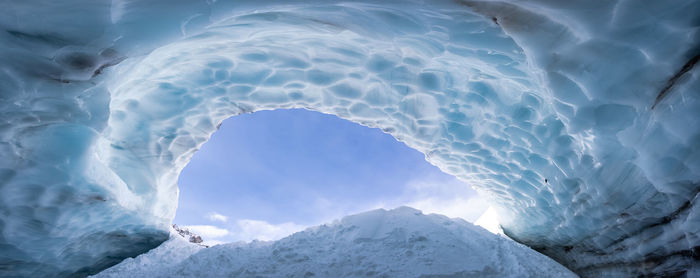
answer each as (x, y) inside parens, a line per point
(268, 174)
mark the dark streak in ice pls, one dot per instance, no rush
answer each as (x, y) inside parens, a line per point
(669, 84)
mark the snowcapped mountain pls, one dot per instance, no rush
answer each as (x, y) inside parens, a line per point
(189, 236)
(396, 243)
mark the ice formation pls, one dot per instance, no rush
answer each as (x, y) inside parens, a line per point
(580, 120)
(397, 243)
(169, 254)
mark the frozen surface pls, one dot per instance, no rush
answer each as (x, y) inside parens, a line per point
(543, 106)
(489, 221)
(167, 255)
(397, 243)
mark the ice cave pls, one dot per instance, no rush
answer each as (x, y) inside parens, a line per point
(579, 120)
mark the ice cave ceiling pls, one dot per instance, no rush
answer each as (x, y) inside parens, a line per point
(580, 120)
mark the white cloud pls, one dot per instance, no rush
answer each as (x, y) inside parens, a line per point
(244, 230)
(468, 209)
(248, 229)
(207, 231)
(448, 197)
(214, 216)
(213, 242)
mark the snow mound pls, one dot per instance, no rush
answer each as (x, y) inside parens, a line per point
(169, 254)
(397, 243)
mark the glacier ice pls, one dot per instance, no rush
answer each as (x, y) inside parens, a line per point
(103, 103)
(170, 253)
(355, 246)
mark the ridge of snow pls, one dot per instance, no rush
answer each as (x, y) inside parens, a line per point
(402, 242)
(171, 252)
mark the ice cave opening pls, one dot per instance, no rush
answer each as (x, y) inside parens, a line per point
(268, 174)
(578, 120)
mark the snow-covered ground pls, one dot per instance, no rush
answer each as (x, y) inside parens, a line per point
(167, 255)
(402, 242)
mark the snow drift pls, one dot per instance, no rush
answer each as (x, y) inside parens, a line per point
(580, 120)
(397, 243)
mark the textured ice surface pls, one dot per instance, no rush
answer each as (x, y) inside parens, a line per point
(543, 106)
(169, 254)
(397, 243)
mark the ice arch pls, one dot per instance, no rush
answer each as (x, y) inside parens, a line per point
(102, 109)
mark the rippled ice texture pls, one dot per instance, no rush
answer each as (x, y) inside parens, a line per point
(545, 107)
